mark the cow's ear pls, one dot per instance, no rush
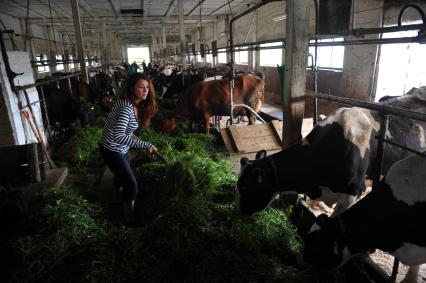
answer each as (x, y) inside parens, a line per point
(322, 219)
(244, 161)
(261, 154)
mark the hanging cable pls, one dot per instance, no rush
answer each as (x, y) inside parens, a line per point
(27, 23)
(53, 28)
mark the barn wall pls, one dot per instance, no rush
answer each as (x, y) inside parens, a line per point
(356, 80)
(14, 24)
(22, 133)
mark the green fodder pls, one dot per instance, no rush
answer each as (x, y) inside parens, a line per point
(69, 231)
(81, 152)
(189, 229)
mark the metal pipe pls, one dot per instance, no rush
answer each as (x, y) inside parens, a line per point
(385, 109)
(47, 81)
(314, 65)
(231, 46)
(404, 147)
(364, 31)
(319, 44)
(417, 8)
(378, 161)
(251, 110)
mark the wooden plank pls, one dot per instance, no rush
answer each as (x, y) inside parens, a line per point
(278, 129)
(254, 137)
(226, 137)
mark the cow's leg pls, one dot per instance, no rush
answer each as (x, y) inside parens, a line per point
(252, 118)
(207, 117)
(412, 274)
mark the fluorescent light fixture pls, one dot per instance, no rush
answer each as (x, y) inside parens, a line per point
(279, 18)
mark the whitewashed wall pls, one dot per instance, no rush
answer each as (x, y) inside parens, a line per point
(22, 133)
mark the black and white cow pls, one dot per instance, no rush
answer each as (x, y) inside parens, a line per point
(408, 132)
(390, 218)
(331, 162)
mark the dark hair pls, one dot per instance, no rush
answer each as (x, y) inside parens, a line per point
(148, 107)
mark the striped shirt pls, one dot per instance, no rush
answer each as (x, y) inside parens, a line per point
(118, 132)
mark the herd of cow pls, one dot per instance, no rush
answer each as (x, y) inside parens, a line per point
(198, 98)
(329, 164)
(71, 100)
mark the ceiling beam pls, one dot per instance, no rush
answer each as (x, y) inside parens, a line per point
(195, 7)
(170, 19)
(226, 4)
(24, 7)
(169, 8)
(115, 9)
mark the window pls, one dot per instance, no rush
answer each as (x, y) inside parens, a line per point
(271, 57)
(59, 66)
(42, 66)
(401, 66)
(209, 58)
(71, 63)
(241, 57)
(199, 59)
(221, 56)
(86, 60)
(191, 59)
(329, 57)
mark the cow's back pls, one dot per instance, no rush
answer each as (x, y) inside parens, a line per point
(407, 132)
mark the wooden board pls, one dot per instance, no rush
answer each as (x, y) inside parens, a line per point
(252, 138)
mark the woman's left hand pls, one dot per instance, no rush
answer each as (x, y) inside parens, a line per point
(152, 150)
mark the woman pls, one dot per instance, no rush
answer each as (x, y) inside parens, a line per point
(135, 108)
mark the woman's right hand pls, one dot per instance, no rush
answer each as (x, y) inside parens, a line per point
(152, 150)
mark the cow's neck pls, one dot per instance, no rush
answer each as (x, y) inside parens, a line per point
(286, 172)
(369, 225)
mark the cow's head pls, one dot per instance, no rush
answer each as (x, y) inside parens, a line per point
(324, 246)
(255, 187)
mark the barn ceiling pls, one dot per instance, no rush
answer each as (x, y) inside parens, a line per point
(134, 20)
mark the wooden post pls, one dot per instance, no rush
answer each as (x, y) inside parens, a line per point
(79, 38)
(182, 35)
(36, 163)
(295, 70)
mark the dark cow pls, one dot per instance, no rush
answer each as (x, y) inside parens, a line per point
(390, 218)
(120, 75)
(179, 83)
(204, 99)
(62, 108)
(331, 162)
(102, 91)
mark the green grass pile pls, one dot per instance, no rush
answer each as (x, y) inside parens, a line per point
(81, 152)
(69, 230)
(188, 229)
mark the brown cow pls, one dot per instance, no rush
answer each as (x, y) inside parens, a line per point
(204, 99)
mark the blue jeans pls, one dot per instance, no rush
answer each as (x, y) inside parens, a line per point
(123, 174)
